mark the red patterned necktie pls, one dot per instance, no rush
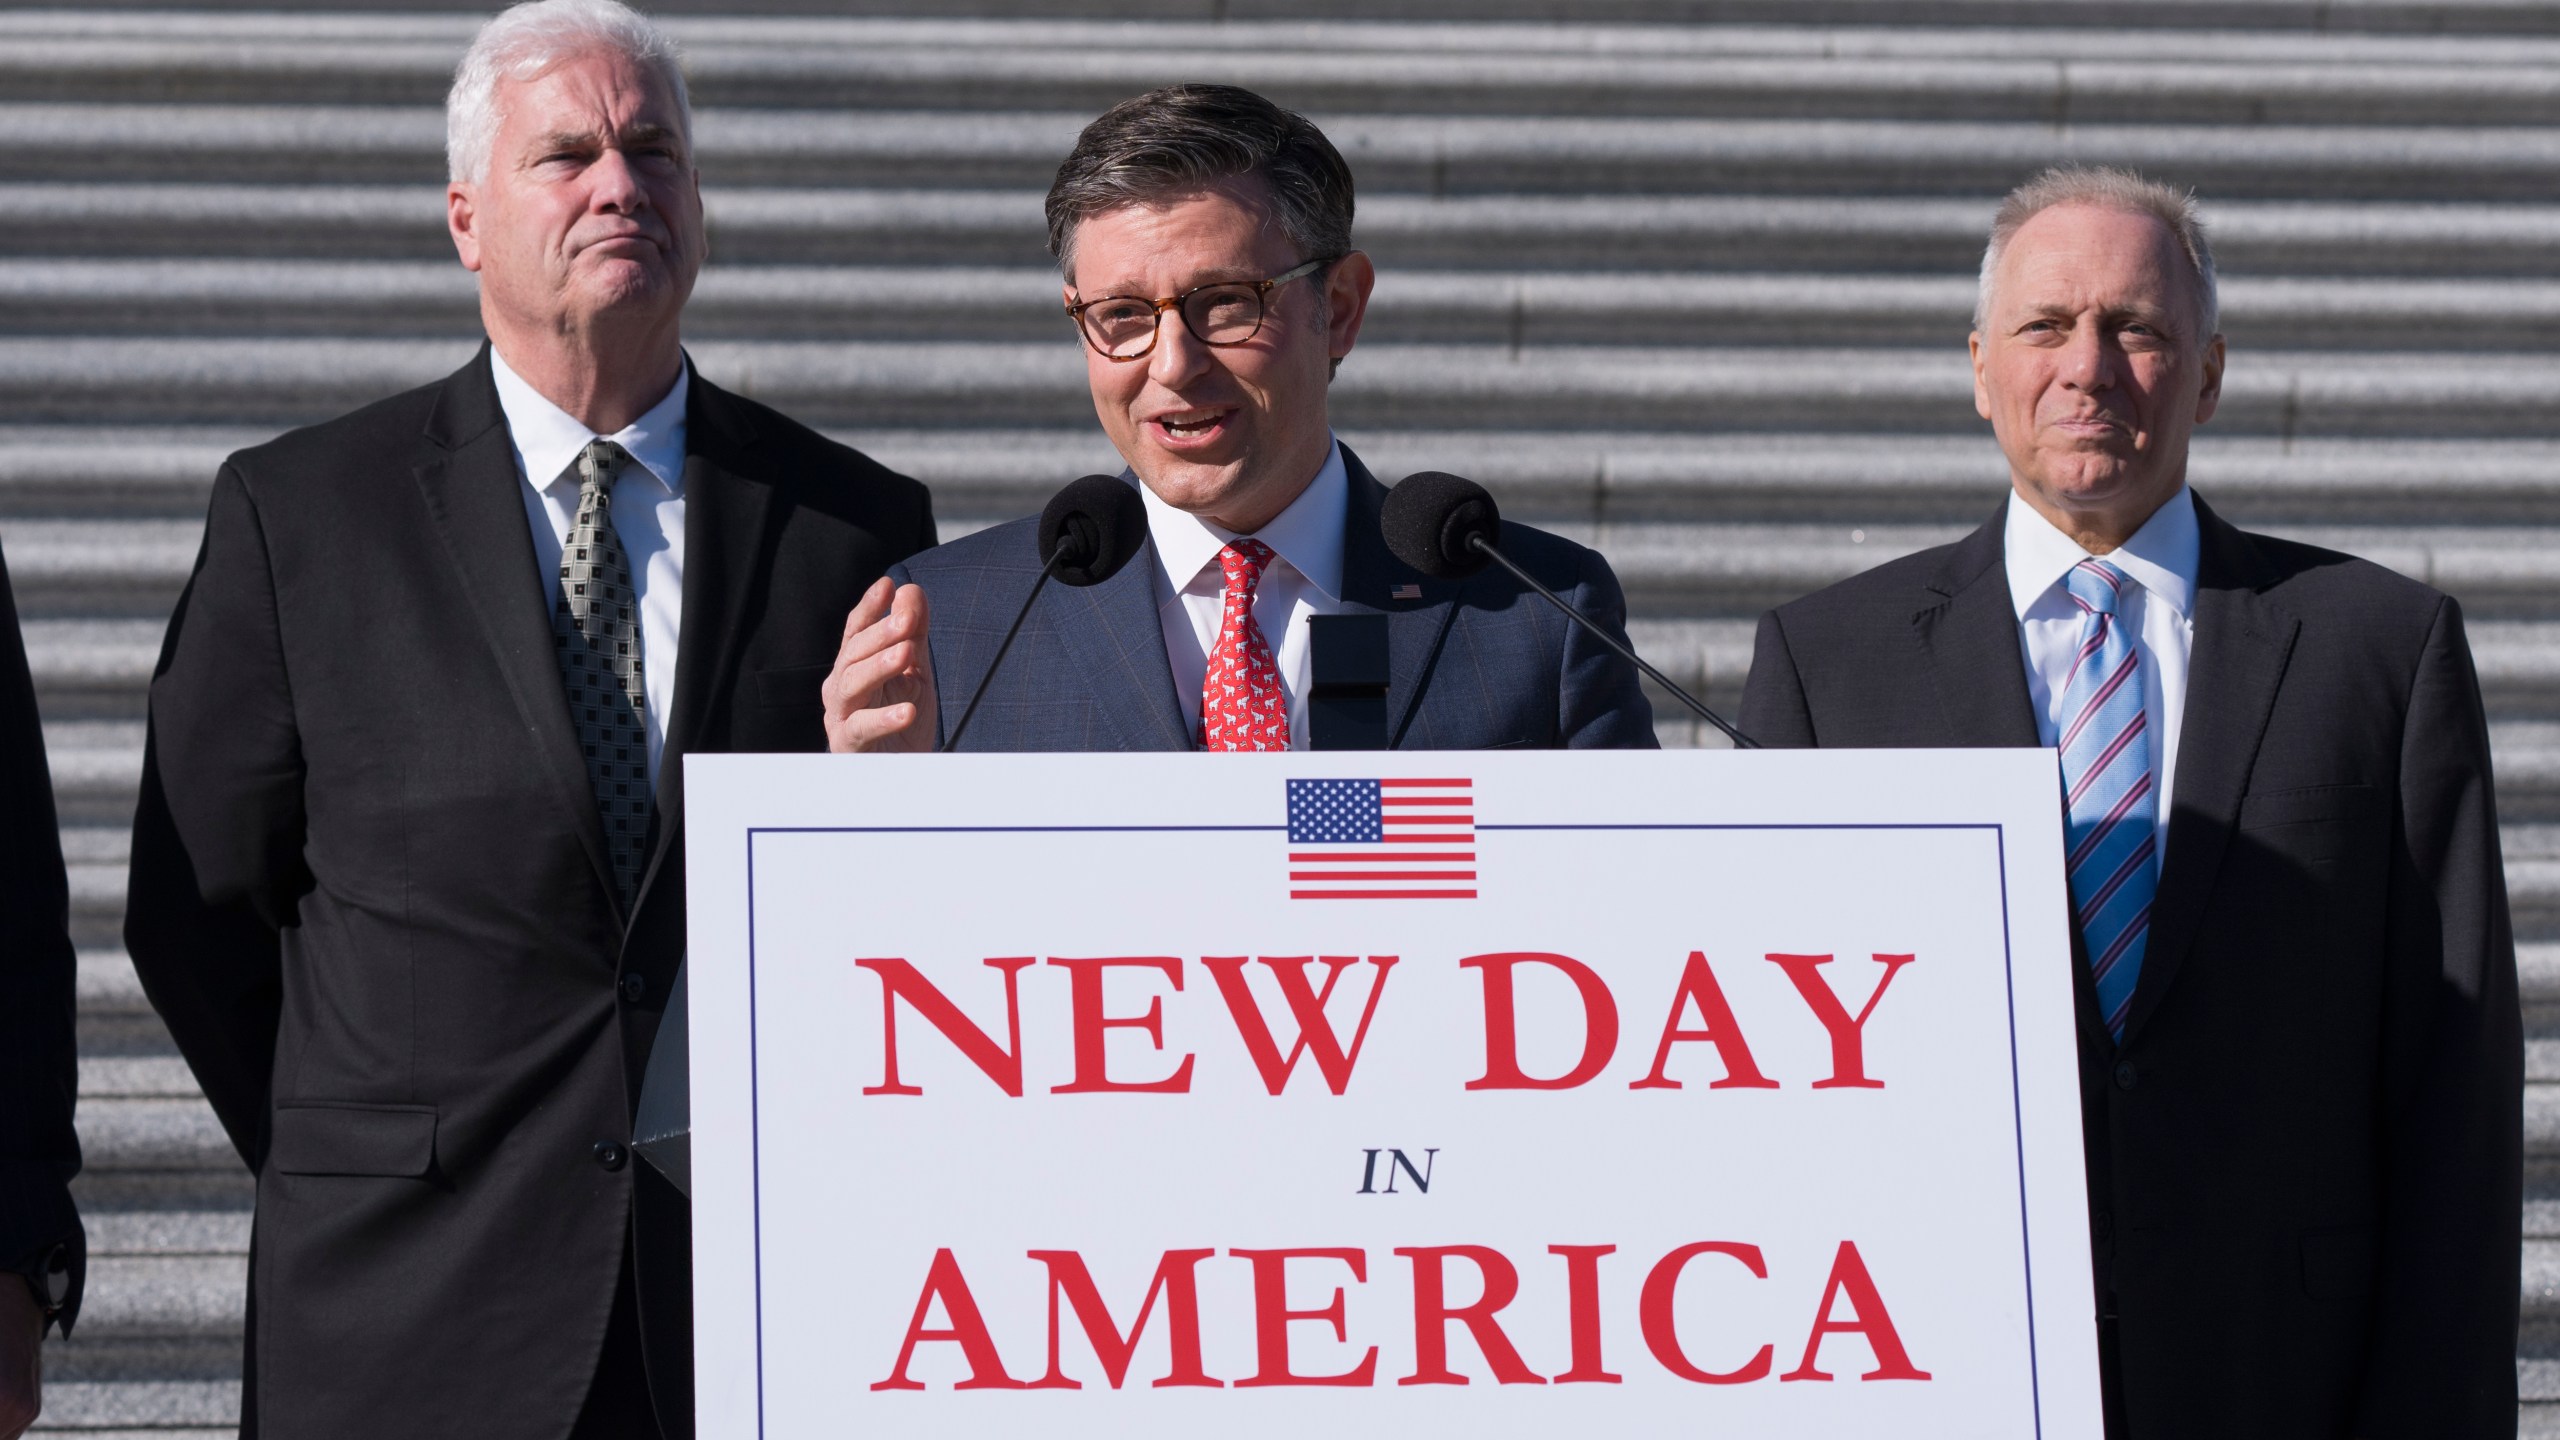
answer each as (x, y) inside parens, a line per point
(1242, 706)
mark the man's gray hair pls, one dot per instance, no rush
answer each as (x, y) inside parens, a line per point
(2113, 189)
(524, 42)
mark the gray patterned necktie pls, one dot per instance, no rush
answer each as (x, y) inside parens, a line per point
(596, 628)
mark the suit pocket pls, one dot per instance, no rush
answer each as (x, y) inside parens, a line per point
(2307, 805)
(2337, 1264)
(795, 685)
(392, 1140)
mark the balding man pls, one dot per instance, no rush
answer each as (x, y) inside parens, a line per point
(408, 874)
(2301, 1064)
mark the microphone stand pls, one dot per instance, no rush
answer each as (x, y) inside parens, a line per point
(1481, 546)
(1046, 571)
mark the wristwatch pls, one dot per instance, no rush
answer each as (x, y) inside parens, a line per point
(48, 1278)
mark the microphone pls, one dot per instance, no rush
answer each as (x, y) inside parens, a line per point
(1087, 532)
(1444, 526)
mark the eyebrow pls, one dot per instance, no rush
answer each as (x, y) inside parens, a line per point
(647, 132)
(2147, 314)
(1131, 290)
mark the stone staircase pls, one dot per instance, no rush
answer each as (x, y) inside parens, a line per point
(1688, 279)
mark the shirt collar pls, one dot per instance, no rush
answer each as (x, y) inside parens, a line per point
(2161, 557)
(1308, 534)
(549, 438)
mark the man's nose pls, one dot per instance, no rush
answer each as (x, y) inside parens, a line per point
(2088, 361)
(612, 185)
(1179, 356)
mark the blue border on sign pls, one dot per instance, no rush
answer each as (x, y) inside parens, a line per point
(2008, 971)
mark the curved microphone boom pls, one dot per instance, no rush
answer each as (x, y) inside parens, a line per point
(1444, 526)
(1087, 532)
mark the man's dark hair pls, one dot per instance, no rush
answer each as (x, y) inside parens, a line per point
(1173, 142)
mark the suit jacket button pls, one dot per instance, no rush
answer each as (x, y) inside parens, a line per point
(2126, 1076)
(611, 1155)
(2103, 1225)
(634, 985)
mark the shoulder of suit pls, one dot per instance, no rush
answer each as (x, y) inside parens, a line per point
(1903, 585)
(1010, 547)
(2357, 598)
(787, 452)
(2298, 568)
(1558, 562)
(394, 425)
(1523, 542)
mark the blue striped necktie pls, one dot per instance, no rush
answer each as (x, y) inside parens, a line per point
(2111, 801)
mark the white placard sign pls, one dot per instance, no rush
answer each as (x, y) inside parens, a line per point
(1289, 1095)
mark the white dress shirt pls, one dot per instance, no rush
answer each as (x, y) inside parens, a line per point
(648, 515)
(1303, 581)
(2157, 611)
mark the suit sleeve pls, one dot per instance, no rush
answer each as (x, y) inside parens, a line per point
(1774, 711)
(1601, 704)
(925, 532)
(217, 843)
(2453, 1080)
(39, 1077)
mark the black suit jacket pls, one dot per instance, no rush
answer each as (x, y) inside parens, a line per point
(1474, 664)
(370, 893)
(2304, 1159)
(38, 1077)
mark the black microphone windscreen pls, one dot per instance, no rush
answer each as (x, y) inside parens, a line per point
(1092, 528)
(1430, 517)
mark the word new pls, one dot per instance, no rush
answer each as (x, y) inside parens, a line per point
(1176, 1284)
(1315, 1035)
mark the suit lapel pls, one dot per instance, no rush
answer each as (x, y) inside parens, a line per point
(727, 549)
(2242, 641)
(1419, 609)
(1113, 633)
(1971, 639)
(476, 501)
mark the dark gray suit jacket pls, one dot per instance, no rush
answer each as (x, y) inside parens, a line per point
(38, 1077)
(371, 897)
(2304, 1158)
(1477, 664)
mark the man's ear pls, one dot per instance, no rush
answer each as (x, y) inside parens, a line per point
(2211, 397)
(1981, 392)
(702, 215)
(1347, 284)
(460, 214)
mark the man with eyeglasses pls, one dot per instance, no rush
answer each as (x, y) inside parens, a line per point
(1204, 235)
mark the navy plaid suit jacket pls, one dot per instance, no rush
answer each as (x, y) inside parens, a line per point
(1475, 664)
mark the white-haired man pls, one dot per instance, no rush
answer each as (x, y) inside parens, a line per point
(2301, 1064)
(408, 880)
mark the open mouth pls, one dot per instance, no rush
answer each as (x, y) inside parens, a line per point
(1190, 426)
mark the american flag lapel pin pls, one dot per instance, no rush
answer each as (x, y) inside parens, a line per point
(1405, 592)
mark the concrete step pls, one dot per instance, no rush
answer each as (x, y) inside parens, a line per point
(1761, 232)
(134, 568)
(2077, 77)
(135, 1409)
(376, 299)
(97, 767)
(169, 42)
(1438, 155)
(149, 471)
(1710, 658)
(2384, 17)
(2293, 395)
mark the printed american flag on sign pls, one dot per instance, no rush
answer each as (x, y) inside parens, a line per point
(1382, 840)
